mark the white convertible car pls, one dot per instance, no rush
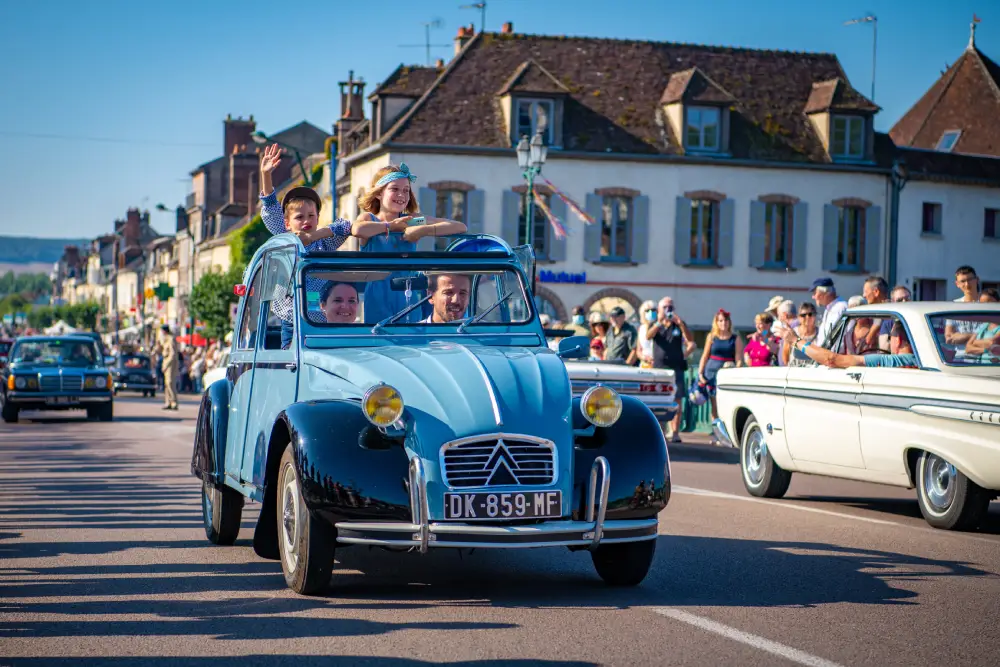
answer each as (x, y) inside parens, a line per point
(934, 425)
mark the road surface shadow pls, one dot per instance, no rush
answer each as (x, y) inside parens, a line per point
(902, 507)
(683, 453)
(279, 660)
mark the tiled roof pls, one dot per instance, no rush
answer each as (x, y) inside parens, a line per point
(615, 88)
(925, 164)
(966, 98)
(408, 81)
(530, 77)
(693, 86)
(837, 95)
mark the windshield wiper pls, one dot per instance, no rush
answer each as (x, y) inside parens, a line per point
(478, 318)
(392, 320)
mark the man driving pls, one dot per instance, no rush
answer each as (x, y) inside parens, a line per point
(449, 297)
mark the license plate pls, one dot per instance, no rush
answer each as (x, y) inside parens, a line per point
(60, 400)
(518, 505)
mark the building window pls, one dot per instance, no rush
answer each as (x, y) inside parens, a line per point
(931, 218)
(991, 230)
(616, 224)
(777, 235)
(847, 138)
(449, 204)
(851, 239)
(534, 116)
(538, 228)
(704, 231)
(929, 289)
(703, 129)
(948, 140)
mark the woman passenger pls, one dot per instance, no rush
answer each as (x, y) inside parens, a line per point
(339, 302)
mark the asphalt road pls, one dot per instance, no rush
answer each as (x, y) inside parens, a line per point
(103, 561)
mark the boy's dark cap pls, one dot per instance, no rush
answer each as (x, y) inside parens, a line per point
(301, 192)
(617, 311)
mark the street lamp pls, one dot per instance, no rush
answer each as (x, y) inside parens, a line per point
(530, 158)
(262, 139)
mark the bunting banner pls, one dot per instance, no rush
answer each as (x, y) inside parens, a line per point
(557, 225)
(573, 206)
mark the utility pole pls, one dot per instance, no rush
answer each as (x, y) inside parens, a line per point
(481, 6)
(114, 284)
(874, 21)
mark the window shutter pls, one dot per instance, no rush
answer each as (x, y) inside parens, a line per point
(873, 239)
(682, 232)
(831, 236)
(509, 214)
(556, 247)
(427, 200)
(758, 210)
(727, 219)
(592, 233)
(475, 211)
(640, 230)
(800, 227)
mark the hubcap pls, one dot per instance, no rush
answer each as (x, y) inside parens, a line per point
(754, 457)
(290, 519)
(939, 483)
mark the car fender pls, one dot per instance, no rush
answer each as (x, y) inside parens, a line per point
(637, 456)
(349, 470)
(208, 460)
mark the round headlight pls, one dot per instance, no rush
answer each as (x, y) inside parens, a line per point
(101, 382)
(601, 406)
(382, 405)
(20, 383)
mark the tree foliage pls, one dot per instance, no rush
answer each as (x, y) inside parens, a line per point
(30, 285)
(212, 300)
(244, 242)
(77, 315)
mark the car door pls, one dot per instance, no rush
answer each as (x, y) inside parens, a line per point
(275, 369)
(240, 373)
(822, 411)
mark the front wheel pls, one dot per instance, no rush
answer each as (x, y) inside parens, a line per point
(9, 413)
(103, 413)
(947, 498)
(624, 564)
(222, 513)
(762, 477)
(306, 543)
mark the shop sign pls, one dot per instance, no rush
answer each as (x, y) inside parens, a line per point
(562, 277)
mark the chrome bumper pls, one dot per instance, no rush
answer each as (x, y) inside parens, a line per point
(39, 397)
(721, 433)
(424, 534)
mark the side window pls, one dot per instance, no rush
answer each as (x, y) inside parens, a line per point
(251, 311)
(278, 293)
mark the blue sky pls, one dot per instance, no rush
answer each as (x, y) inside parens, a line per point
(154, 79)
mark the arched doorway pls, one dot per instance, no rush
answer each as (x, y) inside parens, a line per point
(548, 302)
(603, 301)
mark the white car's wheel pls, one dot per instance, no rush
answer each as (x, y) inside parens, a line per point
(948, 499)
(762, 477)
(306, 544)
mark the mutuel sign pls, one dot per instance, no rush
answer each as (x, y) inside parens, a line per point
(562, 277)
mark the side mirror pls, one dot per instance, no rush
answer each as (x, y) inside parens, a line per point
(109, 360)
(574, 347)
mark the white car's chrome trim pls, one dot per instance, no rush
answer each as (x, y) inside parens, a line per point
(975, 416)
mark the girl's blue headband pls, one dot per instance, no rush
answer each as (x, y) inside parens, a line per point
(404, 172)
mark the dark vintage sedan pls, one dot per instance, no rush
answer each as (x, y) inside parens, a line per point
(133, 372)
(55, 373)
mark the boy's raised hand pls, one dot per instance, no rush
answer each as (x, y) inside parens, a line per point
(271, 158)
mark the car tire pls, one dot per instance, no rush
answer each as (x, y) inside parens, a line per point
(102, 413)
(762, 477)
(947, 498)
(306, 543)
(9, 413)
(222, 513)
(624, 564)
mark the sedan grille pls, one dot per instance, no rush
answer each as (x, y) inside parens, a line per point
(53, 383)
(502, 460)
(49, 383)
(72, 382)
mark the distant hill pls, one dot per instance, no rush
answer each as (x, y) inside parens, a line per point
(28, 249)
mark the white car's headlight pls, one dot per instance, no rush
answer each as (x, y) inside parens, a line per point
(382, 405)
(602, 406)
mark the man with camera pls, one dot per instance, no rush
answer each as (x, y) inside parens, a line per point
(672, 343)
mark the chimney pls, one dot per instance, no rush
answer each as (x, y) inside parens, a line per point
(238, 133)
(440, 63)
(182, 219)
(465, 33)
(507, 28)
(132, 230)
(352, 109)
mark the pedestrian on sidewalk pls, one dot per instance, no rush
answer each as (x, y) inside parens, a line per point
(169, 365)
(672, 342)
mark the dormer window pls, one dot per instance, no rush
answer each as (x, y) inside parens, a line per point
(948, 141)
(847, 137)
(703, 129)
(534, 116)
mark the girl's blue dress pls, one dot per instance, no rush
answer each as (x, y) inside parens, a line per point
(381, 301)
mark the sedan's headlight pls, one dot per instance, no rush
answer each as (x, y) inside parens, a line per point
(382, 405)
(20, 382)
(601, 406)
(96, 382)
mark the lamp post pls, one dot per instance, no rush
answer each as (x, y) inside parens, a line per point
(898, 178)
(262, 139)
(530, 158)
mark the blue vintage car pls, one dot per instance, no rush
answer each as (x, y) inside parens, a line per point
(55, 373)
(418, 407)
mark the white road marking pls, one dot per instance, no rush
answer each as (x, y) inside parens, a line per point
(786, 652)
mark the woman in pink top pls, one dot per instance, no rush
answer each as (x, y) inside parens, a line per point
(761, 349)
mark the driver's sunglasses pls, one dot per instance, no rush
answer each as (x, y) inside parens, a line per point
(806, 314)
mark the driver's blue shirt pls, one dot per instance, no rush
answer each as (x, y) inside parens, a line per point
(891, 361)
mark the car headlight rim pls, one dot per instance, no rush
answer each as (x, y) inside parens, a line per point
(382, 405)
(20, 382)
(601, 406)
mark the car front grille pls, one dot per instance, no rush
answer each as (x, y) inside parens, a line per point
(49, 383)
(60, 383)
(498, 460)
(72, 382)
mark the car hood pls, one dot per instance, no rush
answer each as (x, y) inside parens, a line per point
(454, 390)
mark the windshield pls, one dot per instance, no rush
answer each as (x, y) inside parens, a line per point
(968, 339)
(58, 351)
(469, 296)
(135, 362)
